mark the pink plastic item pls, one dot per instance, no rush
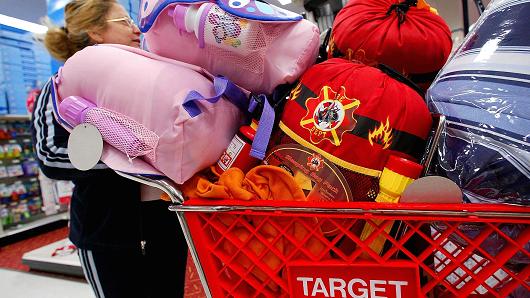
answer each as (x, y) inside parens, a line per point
(139, 98)
(119, 131)
(256, 55)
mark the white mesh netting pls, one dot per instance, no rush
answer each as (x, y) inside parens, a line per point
(124, 133)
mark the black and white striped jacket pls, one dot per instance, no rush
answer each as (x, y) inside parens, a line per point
(51, 140)
(105, 207)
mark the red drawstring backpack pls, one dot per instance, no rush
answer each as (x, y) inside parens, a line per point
(407, 35)
(340, 125)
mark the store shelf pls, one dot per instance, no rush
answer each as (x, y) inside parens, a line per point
(18, 178)
(41, 259)
(34, 224)
(15, 117)
(26, 138)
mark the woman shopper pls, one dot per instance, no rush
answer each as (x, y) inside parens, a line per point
(128, 246)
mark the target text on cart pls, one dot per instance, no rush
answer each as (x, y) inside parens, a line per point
(395, 280)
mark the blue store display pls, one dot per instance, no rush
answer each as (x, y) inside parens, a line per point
(24, 65)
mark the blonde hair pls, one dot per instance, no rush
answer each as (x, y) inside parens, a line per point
(80, 16)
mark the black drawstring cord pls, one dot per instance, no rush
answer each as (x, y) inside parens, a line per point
(401, 9)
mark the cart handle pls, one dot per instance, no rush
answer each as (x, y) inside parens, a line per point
(160, 182)
(356, 209)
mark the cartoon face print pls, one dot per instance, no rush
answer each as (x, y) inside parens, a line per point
(238, 3)
(225, 26)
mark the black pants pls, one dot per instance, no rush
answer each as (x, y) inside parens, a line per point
(158, 271)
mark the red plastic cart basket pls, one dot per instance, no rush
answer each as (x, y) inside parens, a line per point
(292, 249)
(301, 249)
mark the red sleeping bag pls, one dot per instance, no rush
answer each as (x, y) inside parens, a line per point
(340, 125)
(407, 36)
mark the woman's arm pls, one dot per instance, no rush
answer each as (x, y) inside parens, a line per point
(51, 141)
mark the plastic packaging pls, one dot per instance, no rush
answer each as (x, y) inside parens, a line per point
(269, 50)
(483, 91)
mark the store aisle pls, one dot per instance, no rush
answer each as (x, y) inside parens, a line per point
(11, 255)
(16, 284)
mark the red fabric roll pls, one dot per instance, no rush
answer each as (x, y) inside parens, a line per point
(355, 116)
(413, 40)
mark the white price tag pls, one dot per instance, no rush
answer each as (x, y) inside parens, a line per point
(85, 146)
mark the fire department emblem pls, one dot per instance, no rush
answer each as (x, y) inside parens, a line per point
(329, 116)
(315, 162)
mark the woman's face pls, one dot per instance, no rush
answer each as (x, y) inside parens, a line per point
(120, 28)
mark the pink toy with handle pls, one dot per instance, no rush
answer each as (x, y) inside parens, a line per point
(256, 45)
(140, 103)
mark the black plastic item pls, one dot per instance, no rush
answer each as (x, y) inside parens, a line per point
(465, 12)
(399, 77)
(465, 9)
(276, 100)
(280, 96)
(480, 6)
(311, 5)
(323, 50)
(256, 113)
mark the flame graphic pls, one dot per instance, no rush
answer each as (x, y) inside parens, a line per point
(296, 91)
(382, 135)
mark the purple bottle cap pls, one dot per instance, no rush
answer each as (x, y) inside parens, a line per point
(74, 108)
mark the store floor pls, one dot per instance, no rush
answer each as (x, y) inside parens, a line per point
(16, 281)
(18, 284)
(11, 254)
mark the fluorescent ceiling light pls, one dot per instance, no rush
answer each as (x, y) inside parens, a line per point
(285, 2)
(21, 24)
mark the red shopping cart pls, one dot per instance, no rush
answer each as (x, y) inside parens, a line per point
(285, 249)
(314, 249)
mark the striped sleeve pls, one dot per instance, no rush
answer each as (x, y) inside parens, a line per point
(51, 140)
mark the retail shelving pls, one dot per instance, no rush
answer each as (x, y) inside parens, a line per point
(24, 202)
(41, 221)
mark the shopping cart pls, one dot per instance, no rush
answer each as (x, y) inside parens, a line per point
(301, 249)
(314, 249)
